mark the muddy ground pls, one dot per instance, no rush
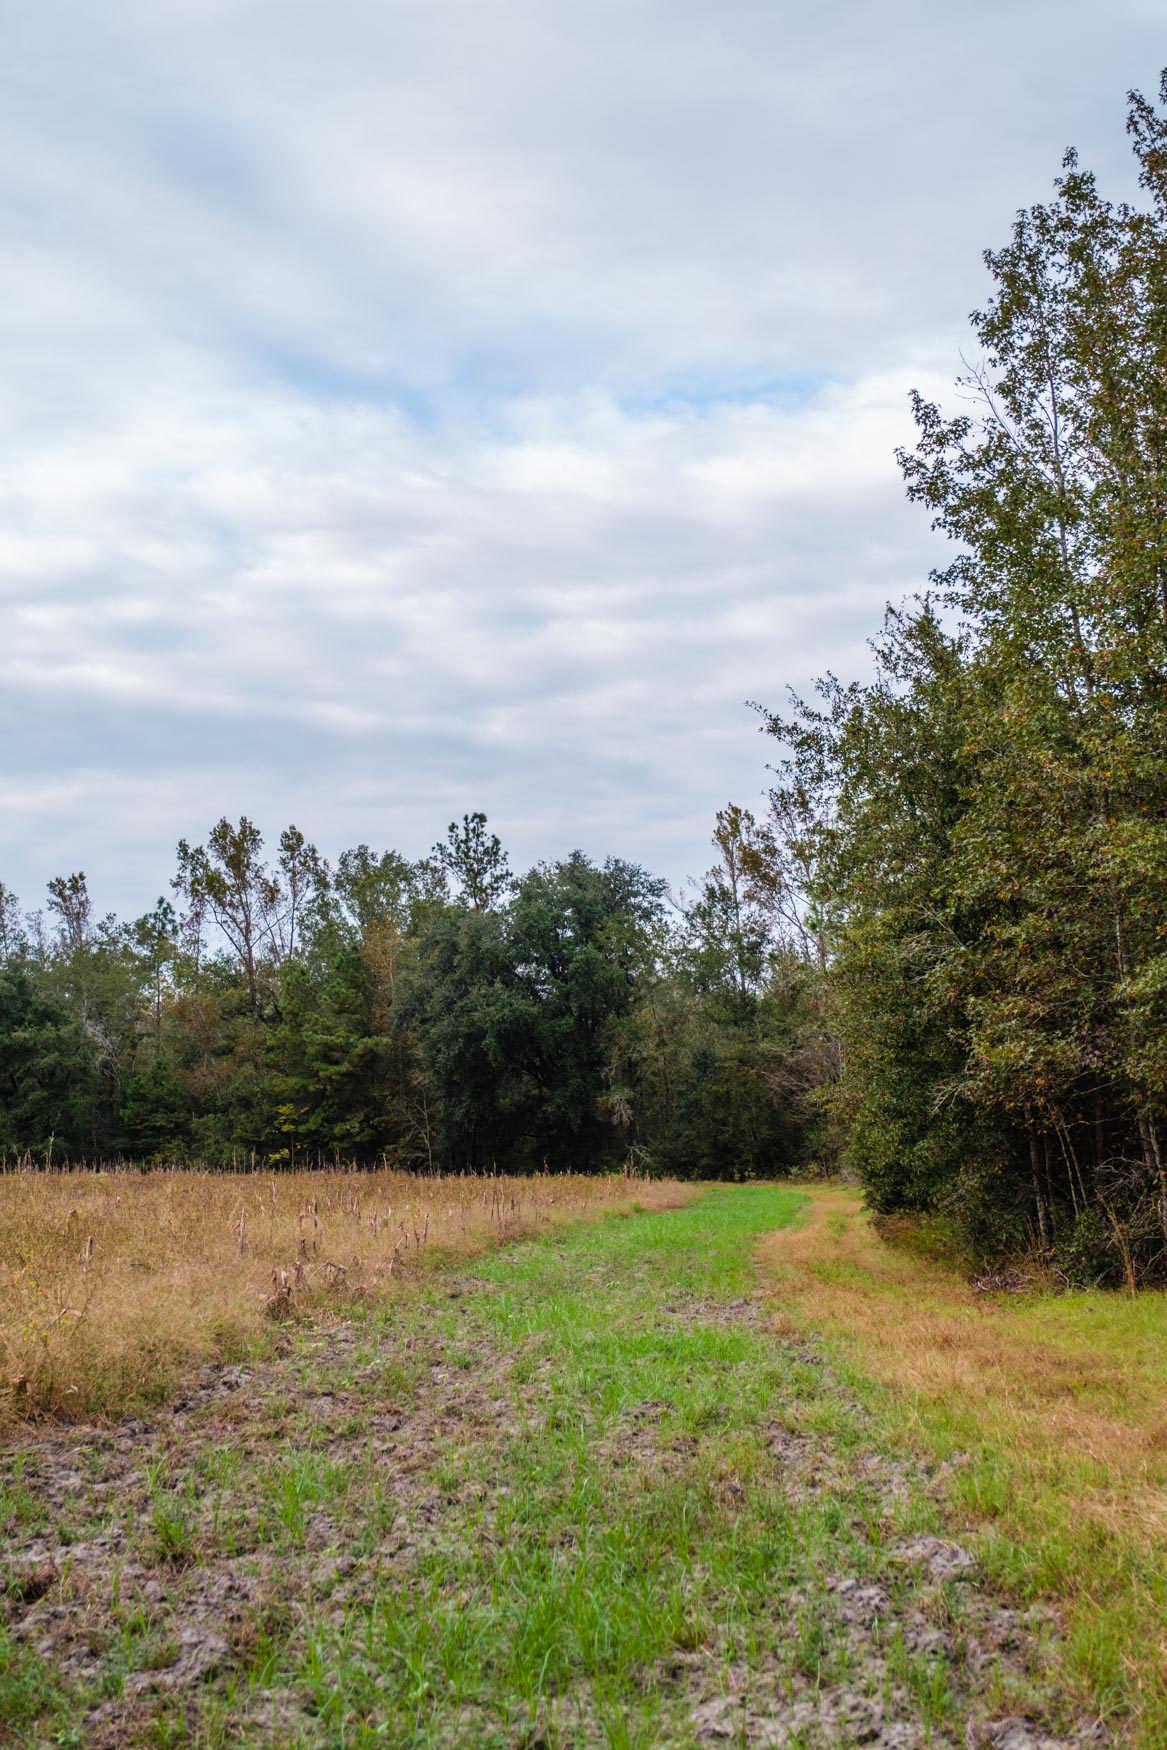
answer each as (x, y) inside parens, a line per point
(173, 1573)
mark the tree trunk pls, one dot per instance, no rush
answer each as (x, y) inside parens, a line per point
(1153, 1159)
(1043, 1228)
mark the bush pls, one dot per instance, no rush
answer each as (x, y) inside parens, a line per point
(1085, 1252)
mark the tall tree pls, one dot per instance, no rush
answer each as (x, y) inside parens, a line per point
(302, 883)
(70, 903)
(49, 1075)
(475, 861)
(258, 911)
(990, 851)
(13, 939)
(155, 938)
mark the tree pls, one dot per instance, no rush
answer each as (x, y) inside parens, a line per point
(49, 1075)
(258, 912)
(13, 940)
(464, 1007)
(154, 936)
(512, 1009)
(342, 1076)
(987, 822)
(70, 902)
(475, 861)
(374, 892)
(730, 924)
(228, 879)
(580, 936)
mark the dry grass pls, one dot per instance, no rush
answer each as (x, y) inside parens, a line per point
(1055, 1375)
(1050, 1409)
(113, 1285)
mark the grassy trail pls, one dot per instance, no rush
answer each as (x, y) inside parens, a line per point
(587, 1496)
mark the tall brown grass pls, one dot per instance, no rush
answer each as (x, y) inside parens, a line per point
(112, 1285)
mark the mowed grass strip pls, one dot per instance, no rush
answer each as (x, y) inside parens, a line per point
(638, 1512)
(1052, 1407)
(586, 1497)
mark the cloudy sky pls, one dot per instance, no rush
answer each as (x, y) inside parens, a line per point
(412, 406)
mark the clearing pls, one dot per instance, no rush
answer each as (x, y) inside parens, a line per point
(593, 1493)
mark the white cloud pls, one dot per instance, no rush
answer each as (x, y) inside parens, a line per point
(555, 612)
(417, 407)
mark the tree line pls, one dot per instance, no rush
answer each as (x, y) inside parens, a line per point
(983, 827)
(941, 958)
(439, 1014)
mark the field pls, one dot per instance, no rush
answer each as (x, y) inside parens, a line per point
(726, 1470)
(112, 1284)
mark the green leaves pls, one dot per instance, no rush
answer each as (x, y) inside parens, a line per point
(512, 1009)
(988, 818)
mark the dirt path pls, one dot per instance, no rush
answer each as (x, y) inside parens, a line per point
(588, 1496)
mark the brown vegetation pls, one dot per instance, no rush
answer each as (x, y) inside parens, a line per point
(1047, 1409)
(112, 1284)
(1078, 1377)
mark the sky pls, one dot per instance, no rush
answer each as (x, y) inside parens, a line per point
(410, 407)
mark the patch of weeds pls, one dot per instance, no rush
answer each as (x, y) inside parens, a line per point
(169, 1728)
(20, 1508)
(257, 1640)
(925, 1676)
(31, 1694)
(635, 1514)
(575, 1500)
(351, 1427)
(159, 1655)
(812, 1641)
(217, 1466)
(28, 1585)
(278, 1407)
(175, 1533)
(111, 1682)
(396, 1379)
(296, 1487)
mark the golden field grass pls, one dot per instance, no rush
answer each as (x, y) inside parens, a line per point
(112, 1285)
(1050, 1408)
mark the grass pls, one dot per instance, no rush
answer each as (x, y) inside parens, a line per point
(1050, 1409)
(587, 1496)
(113, 1285)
